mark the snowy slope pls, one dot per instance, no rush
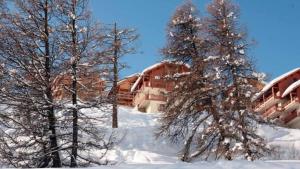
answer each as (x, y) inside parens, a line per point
(140, 149)
(285, 141)
(138, 144)
(211, 165)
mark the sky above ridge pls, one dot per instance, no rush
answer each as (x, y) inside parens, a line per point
(274, 24)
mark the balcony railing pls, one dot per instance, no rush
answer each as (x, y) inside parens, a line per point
(125, 95)
(272, 109)
(141, 97)
(259, 104)
(293, 98)
(274, 94)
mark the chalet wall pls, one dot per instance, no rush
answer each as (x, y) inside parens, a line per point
(90, 86)
(125, 96)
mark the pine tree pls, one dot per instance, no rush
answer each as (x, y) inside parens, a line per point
(238, 80)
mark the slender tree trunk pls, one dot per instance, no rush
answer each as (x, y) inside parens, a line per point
(115, 81)
(74, 93)
(75, 117)
(51, 115)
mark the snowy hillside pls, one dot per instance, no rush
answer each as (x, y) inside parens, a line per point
(140, 149)
(139, 145)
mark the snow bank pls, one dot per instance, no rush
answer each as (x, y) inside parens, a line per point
(139, 144)
(139, 148)
(212, 165)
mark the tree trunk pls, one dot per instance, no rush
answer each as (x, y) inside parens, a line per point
(51, 115)
(187, 146)
(74, 93)
(75, 117)
(115, 81)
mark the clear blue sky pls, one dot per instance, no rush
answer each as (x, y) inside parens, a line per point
(274, 24)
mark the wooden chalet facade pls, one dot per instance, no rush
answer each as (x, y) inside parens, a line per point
(125, 96)
(90, 86)
(280, 99)
(147, 91)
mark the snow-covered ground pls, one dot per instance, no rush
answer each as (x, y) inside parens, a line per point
(138, 144)
(140, 149)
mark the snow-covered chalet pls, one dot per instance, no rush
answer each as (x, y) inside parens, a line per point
(279, 99)
(147, 90)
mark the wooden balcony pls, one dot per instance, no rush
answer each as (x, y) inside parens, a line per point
(163, 84)
(125, 98)
(273, 111)
(291, 104)
(142, 99)
(268, 100)
(125, 95)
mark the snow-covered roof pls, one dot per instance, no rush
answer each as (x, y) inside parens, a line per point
(153, 67)
(291, 88)
(274, 81)
(130, 76)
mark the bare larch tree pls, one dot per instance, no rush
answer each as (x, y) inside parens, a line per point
(238, 80)
(41, 41)
(119, 42)
(28, 51)
(82, 44)
(197, 111)
(189, 106)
